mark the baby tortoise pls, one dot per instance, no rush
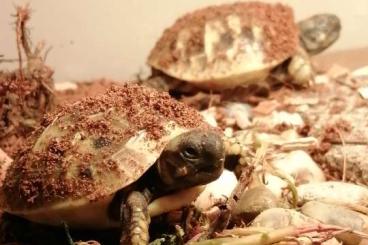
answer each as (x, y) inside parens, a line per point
(230, 45)
(98, 163)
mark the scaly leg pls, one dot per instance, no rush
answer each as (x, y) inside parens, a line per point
(135, 220)
(300, 68)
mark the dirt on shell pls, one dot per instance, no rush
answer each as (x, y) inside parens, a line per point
(276, 20)
(143, 108)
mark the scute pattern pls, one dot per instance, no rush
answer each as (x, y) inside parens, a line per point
(95, 147)
(226, 41)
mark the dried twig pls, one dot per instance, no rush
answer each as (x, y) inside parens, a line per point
(27, 93)
(265, 236)
(244, 180)
(22, 16)
(290, 182)
(343, 154)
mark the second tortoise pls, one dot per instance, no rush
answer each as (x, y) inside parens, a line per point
(231, 45)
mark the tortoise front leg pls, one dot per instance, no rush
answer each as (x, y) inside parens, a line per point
(300, 68)
(135, 219)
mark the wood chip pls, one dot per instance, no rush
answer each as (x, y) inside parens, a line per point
(337, 71)
(266, 107)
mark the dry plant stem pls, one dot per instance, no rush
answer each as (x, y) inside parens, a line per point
(26, 93)
(296, 242)
(244, 180)
(349, 142)
(358, 208)
(18, 31)
(246, 175)
(289, 180)
(22, 17)
(275, 235)
(7, 60)
(244, 231)
(343, 154)
(260, 154)
(210, 102)
(299, 144)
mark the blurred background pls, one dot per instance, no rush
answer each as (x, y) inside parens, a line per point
(92, 39)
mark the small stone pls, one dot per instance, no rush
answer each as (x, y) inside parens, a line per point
(363, 91)
(217, 191)
(238, 113)
(299, 165)
(253, 201)
(321, 79)
(63, 86)
(235, 149)
(228, 132)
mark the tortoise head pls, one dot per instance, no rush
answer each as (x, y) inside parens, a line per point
(192, 158)
(319, 32)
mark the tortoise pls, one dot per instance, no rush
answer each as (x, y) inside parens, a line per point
(99, 162)
(231, 45)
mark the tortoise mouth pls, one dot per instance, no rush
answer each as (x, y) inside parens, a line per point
(178, 174)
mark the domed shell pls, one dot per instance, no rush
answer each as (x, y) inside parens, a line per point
(226, 45)
(93, 148)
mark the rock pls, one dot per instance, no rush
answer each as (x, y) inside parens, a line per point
(339, 216)
(239, 113)
(336, 215)
(217, 191)
(356, 161)
(279, 118)
(276, 218)
(300, 166)
(335, 192)
(254, 201)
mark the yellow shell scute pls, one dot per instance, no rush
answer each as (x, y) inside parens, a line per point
(87, 151)
(227, 45)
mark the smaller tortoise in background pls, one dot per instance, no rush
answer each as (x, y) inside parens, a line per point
(230, 45)
(98, 163)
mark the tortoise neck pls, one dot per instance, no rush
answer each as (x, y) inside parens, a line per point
(152, 181)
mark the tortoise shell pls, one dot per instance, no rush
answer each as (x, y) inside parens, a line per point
(89, 150)
(226, 45)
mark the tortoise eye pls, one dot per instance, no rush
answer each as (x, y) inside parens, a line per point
(190, 153)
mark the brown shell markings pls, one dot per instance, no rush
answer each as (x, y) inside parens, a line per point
(273, 19)
(83, 151)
